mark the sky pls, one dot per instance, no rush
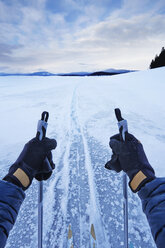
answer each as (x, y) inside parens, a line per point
(80, 35)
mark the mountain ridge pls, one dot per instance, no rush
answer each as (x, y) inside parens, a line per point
(107, 72)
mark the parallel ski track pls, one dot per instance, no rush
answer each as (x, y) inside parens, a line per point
(78, 194)
(56, 235)
(94, 207)
(75, 192)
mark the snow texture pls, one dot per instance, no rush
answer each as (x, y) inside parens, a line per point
(81, 191)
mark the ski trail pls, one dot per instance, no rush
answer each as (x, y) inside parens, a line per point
(78, 196)
(74, 191)
(58, 190)
(94, 208)
(69, 191)
(95, 217)
(56, 227)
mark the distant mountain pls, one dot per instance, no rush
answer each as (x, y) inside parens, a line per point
(40, 73)
(108, 72)
(81, 74)
(118, 70)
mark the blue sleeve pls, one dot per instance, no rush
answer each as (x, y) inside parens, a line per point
(153, 202)
(11, 198)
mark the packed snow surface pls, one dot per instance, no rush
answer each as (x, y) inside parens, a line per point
(81, 191)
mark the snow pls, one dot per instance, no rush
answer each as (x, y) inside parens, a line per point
(81, 192)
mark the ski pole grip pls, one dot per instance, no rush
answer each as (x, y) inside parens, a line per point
(42, 126)
(122, 124)
(118, 114)
(41, 134)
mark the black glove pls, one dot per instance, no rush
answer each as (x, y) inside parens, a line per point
(34, 161)
(130, 157)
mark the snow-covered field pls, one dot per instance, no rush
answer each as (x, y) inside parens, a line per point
(81, 192)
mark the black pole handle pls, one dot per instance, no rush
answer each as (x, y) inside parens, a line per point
(45, 116)
(118, 114)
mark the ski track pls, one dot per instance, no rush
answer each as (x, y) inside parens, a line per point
(94, 207)
(77, 202)
(89, 213)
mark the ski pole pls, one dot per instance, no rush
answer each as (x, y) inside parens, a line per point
(123, 129)
(41, 133)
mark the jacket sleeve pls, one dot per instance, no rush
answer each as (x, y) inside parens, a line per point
(152, 196)
(11, 198)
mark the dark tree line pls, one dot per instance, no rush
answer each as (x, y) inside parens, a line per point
(159, 60)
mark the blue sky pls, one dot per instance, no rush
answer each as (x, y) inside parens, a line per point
(80, 35)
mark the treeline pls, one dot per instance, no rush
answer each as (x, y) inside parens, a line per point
(159, 60)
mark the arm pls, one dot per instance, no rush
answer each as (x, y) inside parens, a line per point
(30, 164)
(11, 198)
(152, 196)
(130, 157)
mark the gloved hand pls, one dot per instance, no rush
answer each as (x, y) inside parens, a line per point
(34, 161)
(130, 157)
(47, 168)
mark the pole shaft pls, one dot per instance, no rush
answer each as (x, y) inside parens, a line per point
(40, 214)
(123, 129)
(125, 194)
(41, 133)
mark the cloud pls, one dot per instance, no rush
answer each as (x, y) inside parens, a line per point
(6, 52)
(124, 31)
(71, 35)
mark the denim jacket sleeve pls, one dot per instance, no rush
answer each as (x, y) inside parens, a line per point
(152, 196)
(11, 198)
